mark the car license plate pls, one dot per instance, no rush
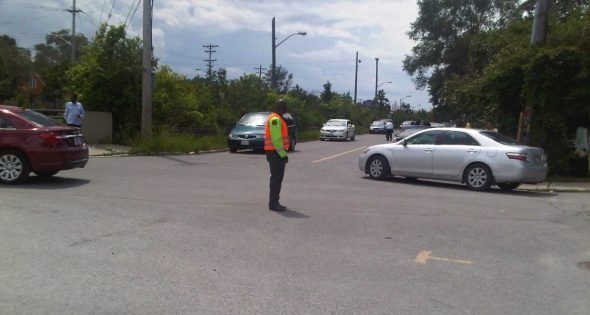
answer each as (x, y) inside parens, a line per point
(245, 142)
(78, 141)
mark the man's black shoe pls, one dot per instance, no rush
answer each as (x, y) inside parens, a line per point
(277, 207)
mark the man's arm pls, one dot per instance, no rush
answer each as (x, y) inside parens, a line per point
(81, 111)
(66, 113)
(276, 134)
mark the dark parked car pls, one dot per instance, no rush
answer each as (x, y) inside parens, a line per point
(378, 126)
(30, 141)
(248, 133)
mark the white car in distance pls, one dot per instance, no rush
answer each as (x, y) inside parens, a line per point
(338, 129)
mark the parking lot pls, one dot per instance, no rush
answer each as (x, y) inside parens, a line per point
(192, 234)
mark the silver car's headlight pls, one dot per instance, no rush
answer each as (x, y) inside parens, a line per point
(366, 150)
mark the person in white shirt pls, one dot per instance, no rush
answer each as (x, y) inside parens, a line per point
(74, 113)
(389, 131)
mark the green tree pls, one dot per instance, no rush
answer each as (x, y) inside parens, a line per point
(284, 78)
(15, 68)
(53, 60)
(326, 95)
(108, 78)
(383, 105)
(444, 30)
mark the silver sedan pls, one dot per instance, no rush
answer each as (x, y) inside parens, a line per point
(478, 158)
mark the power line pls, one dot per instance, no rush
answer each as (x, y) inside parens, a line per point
(111, 11)
(136, 7)
(102, 11)
(129, 13)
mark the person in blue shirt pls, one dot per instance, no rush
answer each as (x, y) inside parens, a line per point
(74, 113)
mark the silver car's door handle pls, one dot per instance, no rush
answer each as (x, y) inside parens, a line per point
(472, 150)
(428, 149)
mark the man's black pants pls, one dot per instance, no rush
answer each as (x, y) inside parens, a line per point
(389, 134)
(277, 170)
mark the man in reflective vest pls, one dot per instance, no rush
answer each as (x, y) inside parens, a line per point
(276, 143)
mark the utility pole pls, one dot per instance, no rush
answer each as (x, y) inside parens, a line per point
(73, 41)
(376, 77)
(210, 61)
(356, 72)
(146, 83)
(540, 22)
(273, 69)
(259, 68)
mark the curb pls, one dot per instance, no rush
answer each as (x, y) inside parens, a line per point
(557, 189)
(550, 188)
(157, 154)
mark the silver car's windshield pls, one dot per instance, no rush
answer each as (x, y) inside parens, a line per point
(335, 123)
(253, 120)
(498, 137)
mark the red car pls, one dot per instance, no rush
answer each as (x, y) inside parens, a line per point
(30, 141)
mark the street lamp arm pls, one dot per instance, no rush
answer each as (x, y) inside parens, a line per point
(384, 83)
(298, 33)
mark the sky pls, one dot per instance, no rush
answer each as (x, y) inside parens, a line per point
(241, 29)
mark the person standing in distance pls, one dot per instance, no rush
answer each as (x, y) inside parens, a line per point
(389, 131)
(74, 113)
(276, 143)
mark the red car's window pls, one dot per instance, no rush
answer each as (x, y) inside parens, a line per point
(37, 118)
(6, 123)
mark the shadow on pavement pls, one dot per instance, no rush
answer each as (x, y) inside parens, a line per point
(179, 160)
(458, 186)
(293, 214)
(50, 183)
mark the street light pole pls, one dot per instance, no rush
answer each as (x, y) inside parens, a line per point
(356, 71)
(273, 75)
(273, 71)
(376, 76)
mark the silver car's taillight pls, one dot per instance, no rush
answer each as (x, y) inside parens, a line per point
(517, 156)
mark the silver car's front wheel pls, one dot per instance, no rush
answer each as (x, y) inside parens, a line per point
(478, 177)
(378, 167)
(13, 167)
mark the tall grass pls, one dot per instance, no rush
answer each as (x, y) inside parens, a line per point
(307, 135)
(166, 142)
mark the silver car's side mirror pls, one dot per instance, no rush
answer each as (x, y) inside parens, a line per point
(405, 143)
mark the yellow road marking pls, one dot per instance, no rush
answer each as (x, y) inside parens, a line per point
(424, 256)
(337, 155)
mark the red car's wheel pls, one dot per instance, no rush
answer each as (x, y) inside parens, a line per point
(14, 167)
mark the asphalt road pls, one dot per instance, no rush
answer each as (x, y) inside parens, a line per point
(192, 235)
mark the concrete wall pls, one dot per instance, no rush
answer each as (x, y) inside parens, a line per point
(97, 127)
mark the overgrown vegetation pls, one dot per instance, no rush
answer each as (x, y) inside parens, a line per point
(480, 67)
(166, 142)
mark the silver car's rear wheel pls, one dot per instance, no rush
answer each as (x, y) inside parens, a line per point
(379, 167)
(14, 166)
(478, 177)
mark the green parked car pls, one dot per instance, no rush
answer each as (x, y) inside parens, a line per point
(248, 133)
